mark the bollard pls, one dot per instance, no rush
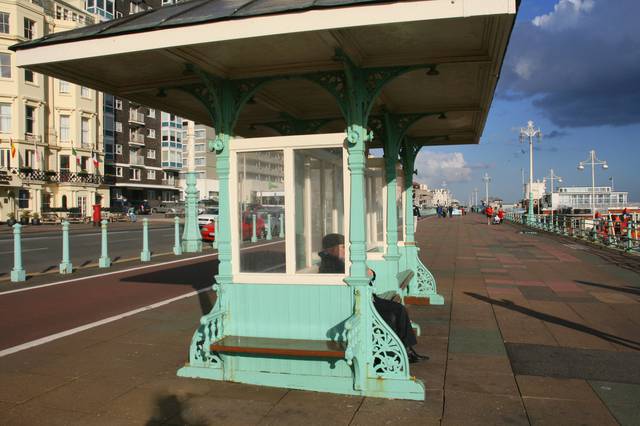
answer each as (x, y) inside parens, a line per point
(254, 237)
(177, 247)
(65, 266)
(611, 234)
(145, 254)
(281, 217)
(630, 224)
(269, 227)
(104, 261)
(17, 273)
(215, 231)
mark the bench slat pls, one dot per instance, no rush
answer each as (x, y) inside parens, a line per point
(284, 347)
(412, 300)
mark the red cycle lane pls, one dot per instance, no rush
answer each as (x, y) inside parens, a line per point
(40, 312)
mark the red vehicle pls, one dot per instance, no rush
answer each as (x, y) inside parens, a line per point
(208, 231)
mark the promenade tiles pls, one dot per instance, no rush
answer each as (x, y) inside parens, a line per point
(533, 332)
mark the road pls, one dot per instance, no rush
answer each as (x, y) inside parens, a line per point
(42, 251)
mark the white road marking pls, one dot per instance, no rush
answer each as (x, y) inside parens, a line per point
(25, 250)
(89, 326)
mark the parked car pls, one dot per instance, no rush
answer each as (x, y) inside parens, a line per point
(164, 207)
(209, 215)
(208, 230)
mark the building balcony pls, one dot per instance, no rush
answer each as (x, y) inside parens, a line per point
(31, 138)
(171, 165)
(29, 175)
(136, 117)
(136, 139)
(136, 160)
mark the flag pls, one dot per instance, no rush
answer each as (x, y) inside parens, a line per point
(94, 157)
(13, 148)
(75, 153)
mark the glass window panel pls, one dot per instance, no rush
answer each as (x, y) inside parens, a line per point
(319, 205)
(400, 211)
(256, 253)
(375, 214)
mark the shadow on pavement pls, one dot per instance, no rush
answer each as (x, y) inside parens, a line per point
(559, 321)
(627, 289)
(170, 408)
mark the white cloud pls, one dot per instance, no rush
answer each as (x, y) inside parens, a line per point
(434, 167)
(566, 14)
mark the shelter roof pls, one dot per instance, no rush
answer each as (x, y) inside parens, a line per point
(144, 57)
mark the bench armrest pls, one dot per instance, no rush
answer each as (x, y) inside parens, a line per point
(352, 326)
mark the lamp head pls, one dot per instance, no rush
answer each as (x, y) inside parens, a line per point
(559, 180)
(580, 167)
(605, 166)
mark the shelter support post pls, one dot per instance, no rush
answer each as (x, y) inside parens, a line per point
(423, 284)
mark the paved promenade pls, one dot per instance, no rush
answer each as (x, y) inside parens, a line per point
(536, 330)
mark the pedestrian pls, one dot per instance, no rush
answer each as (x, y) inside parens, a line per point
(500, 215)
(132, 214)
(450, 211)
(489, 212)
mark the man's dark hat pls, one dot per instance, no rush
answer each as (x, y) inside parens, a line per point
(332, 240)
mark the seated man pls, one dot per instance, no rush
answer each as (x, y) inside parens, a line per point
(394, 314)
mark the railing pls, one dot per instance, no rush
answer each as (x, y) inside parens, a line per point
(136, 117)
(30, 138)
(136, 160)
(622, 234)
(136, 138)
(50, 176)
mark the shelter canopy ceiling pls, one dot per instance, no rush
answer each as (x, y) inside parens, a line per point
(144, 58)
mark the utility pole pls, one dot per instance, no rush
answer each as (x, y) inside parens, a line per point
(529, 133)
(593, 162)
(486, 180)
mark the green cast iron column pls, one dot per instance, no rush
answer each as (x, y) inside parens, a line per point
(17, 273)
(177, 247)
(65, 266)
(104, 261)
(408, 161)
(145, 254)
(269, 236)
(254, 237)
(191, 239)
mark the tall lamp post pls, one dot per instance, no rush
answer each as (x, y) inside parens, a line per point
(475, 191)
(191, 239)
(486, 179)
(593, 162)
(552, 176)
(530, 132)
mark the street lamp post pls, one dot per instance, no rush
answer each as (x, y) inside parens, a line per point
(593, 162)
(486, 179)
(475, 191)
(552, 176)
(530, 132)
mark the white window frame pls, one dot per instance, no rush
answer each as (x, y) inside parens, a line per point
(118, 126)
(151, 153)
(117, 103)
(118, 149)
(8, 67)
(64, 87)
(6, 26)
(85, 92)
(151, 174)
(133, 172)
(152, 113)
(287, 144)
(6, 118)
(118, 171)
(85, 131)
(151, 134)
(68, 128)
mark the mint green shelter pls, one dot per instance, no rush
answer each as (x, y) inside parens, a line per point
(302, 96)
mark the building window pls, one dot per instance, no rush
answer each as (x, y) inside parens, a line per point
(65, 128)
(118, 149)
(29, 28)
(28, 76)
(151, 153)
(200, 134)
(84, 132)
(23, 199)
(152, 133)
(85, 92)
(5, 118)
(199, 147)
(5, 158)
(118, 171)
(118, 15)
(134, 174)
(30, 119)
(4, 22)
(5, 65)
(29, 158)
(83, 163)
(151, 174)
(152, 113)
(118, 127)
(118, 103)
(64, 163)
(199, 161)
(64, 86)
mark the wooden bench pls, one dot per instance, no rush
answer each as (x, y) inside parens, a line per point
(280, 347)
(404, 278)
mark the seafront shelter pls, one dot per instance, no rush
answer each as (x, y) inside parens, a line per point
(314, 88)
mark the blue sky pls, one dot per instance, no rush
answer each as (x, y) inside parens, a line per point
(573, 67)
